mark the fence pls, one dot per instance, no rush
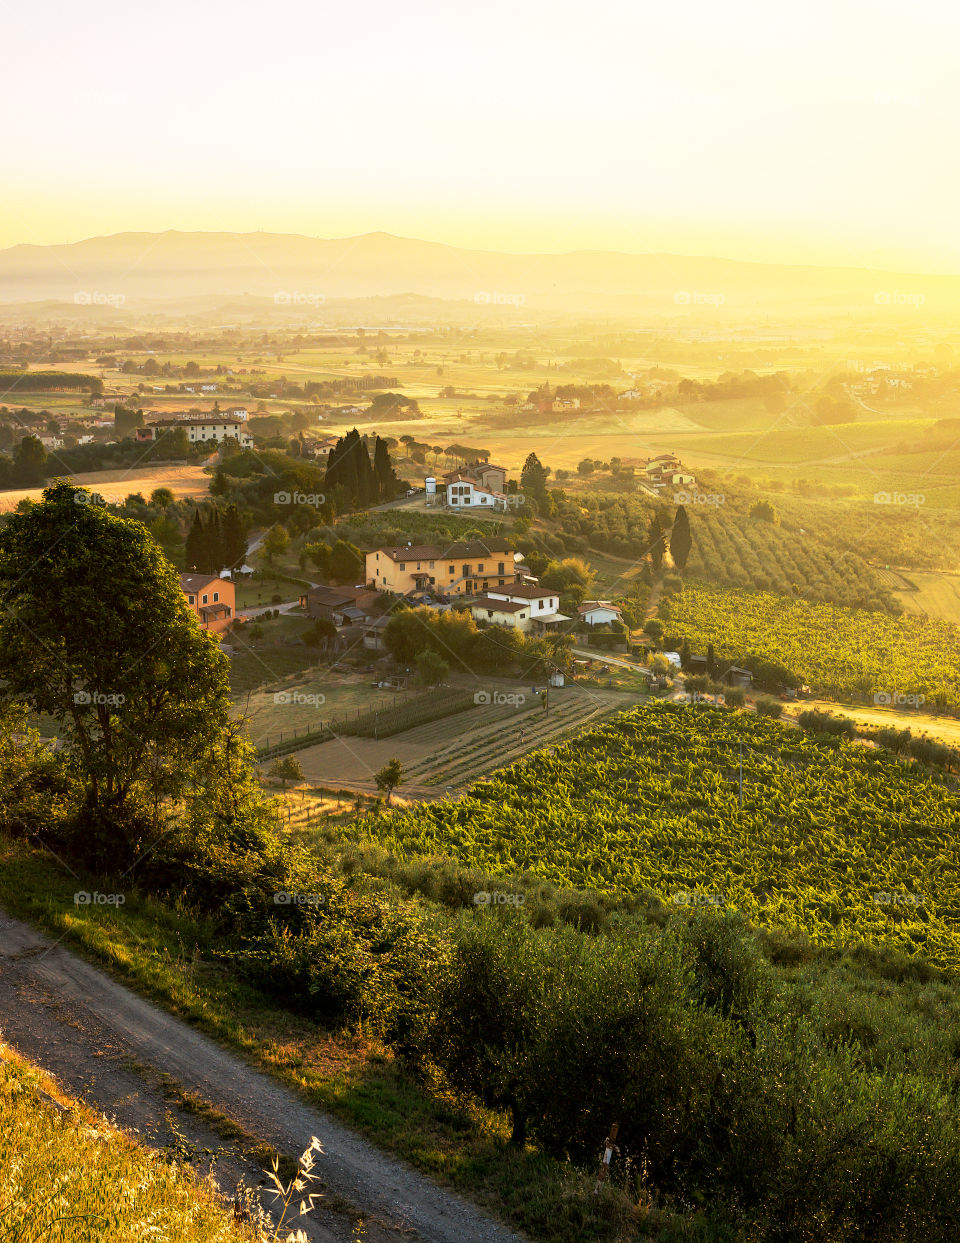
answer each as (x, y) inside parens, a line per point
(372, 723)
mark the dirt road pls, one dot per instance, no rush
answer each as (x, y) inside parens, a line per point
(123, 1055)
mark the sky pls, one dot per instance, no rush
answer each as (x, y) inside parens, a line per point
(819, 133)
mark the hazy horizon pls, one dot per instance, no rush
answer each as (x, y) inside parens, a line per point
(813, 137)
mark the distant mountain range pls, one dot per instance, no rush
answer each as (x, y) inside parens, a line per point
(304, 273)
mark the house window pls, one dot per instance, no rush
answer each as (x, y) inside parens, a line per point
(500, 582)
(431, 565)
(216, 596)
(191, 599)
(499, 567)
(480, 568)
(486, 585)
(418, 565)
(204, 600)
(466, 571)
(541, 604)
(453, 569)
(489, 612)
(401, 566)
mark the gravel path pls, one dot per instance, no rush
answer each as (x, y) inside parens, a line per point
(112, 1048)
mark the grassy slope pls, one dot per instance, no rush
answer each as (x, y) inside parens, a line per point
(66, 1176)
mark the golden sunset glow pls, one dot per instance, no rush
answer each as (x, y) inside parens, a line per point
(811, 133)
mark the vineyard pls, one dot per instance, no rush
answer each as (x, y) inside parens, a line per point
(733, 549)
(845, 653)
(840, 841)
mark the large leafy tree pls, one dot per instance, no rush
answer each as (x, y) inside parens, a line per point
(96, 633)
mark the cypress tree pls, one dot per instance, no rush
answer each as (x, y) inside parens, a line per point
(681, 540)
(195, 543)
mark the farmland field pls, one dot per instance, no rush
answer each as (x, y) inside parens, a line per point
(840, 652)
(938, 595)
(842, 842)
(183, 481)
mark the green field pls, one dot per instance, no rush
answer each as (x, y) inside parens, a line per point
(839, 652)
(649, 801)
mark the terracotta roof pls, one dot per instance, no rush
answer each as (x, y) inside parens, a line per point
(446, 552)
(526, 591)
(197, 582)
(589, 605)
(498, 606)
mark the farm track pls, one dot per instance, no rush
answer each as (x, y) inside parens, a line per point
(115, 1050)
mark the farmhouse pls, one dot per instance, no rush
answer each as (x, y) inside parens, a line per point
(463, 568)
(598, 612)
(212, 599)
(543, 604)
(501, 612)
(344, 606)
(464, 493)
(485, 474)
(212, 430)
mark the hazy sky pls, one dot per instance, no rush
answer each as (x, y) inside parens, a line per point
(816, 131)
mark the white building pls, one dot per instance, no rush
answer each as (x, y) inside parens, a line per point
(542, 603)
(201, 430)
(501, 612)
(463, 493)
(598, 612)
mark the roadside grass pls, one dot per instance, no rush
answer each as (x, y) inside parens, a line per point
(66, 1174)
(163, 955)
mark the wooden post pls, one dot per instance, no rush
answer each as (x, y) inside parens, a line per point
(609, 1151)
